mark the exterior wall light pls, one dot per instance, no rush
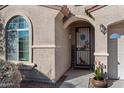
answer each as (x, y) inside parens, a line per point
(103, 29)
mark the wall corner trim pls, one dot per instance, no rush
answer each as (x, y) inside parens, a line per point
(101, 54)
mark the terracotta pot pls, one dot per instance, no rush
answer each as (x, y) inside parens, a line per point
(99, 83)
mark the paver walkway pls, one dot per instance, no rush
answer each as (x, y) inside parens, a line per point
(116, 84)
(79, 78)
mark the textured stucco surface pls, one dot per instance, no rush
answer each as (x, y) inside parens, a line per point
(42, 29)
(107, 16)
(63, 49)
(115, 47)
(50, 43)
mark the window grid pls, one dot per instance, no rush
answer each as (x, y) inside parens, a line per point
(16, 24)
(21, 42)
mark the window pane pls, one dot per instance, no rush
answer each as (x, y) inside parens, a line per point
(15, 20)
(23, 56)
(23, 46)
(15, 25)
(10, 26)
(21, 19)
(11, 47)
(23, 35)
(21, 25)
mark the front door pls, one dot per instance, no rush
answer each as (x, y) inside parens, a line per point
(83, 48)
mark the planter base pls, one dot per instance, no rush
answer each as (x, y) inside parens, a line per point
(99, 83)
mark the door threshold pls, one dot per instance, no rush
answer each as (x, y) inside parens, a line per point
(82, 67)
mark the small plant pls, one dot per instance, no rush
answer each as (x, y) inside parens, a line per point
(98, 80)
(98, 71)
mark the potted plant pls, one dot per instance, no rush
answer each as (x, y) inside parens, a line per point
(98, 80)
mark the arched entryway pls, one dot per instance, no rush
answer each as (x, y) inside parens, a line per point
(81, 35)
(116, 50)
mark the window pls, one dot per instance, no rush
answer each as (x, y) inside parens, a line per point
(17, 39)
(114, 36)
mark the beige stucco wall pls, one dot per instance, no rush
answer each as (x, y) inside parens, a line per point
(42, 20)
(106, 16)
(50, 48)
(77, 10)
(63, 54)
(115, 47)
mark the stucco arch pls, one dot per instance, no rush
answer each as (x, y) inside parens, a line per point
(71, 27)
(78, 18)
(114, 17)
(115, 22)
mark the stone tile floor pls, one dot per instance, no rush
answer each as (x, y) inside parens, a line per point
(79, 78)
(116, 84)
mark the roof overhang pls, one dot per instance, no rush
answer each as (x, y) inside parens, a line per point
(3, 6)
(92, 8)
